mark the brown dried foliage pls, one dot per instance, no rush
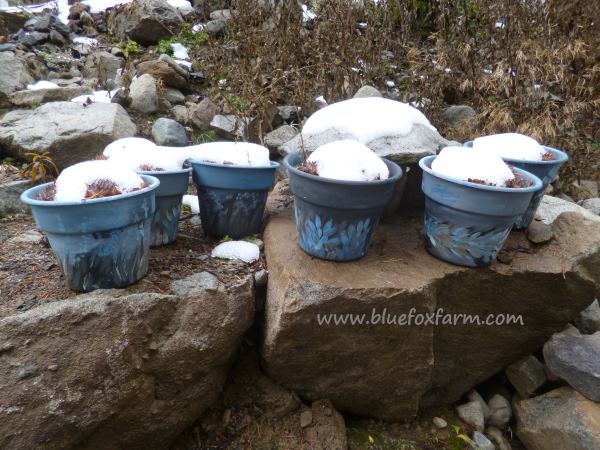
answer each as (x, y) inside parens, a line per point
(538, 73)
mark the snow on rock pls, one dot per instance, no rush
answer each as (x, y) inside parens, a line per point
(73, 182)
(183, 6)
(350, 161)
(192, 202)
(97, 96)
(85, 40)
(464, 163)
(180, 51)
(366, 119)
(42, 84)
(511, 146)
(242, 250)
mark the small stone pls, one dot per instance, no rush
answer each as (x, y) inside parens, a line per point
(367, 91)
(588, 321)
(174, 96)
(482, 442)
(169, 133)
(500, 411)
(261, 278)
(585, 189)
(592, 204)
(143, 94)
(30, 370)
(504, 257)
(526, 375)
(576, 359)
(53, 367)
(202, 114)
(288, 113)
(439, 423)
(229, 126)
(498, 438)
(472, 414)
(215, 26)
(539, 232)
(457, 115)
(279, 136)
(221, 14)
(474, 396)
(306, 418)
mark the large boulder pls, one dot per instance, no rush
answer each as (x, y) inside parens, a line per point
(559, 419)
(70, 132)
(377, 336)
(119, 370)
(14, 76)
(38, 96)
(145, 21)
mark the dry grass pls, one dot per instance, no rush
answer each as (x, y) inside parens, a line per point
(538, 73)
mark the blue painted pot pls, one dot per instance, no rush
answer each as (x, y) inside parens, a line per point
(468, 223)
(336, 219)
(547, 171)
(232, 198)
(173, 184)
(100, 243)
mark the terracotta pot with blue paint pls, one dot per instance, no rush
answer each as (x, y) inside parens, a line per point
(336, 219)
(173, 184)
(232, 198)
(100, 243)
(467, 223)
(547, 171)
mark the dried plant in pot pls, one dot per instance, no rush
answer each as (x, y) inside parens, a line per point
(546, 169)
(102, 241)
(336, 218)
(467, 222)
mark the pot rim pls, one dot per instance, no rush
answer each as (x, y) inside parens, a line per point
(154, 173)
(272, 165)
(309, 176)
(560, 156)
(536, 186)
(154, 183)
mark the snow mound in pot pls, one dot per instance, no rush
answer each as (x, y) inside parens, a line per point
(142, 155)
(349, 161)
(234, 153)
(468, 164)
(511, 146)
(366, 119)
(73, 183)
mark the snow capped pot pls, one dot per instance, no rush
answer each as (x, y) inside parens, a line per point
(336, 218)
(232, 198)
(173, 184)
(100, 243)
(545, 168)
(466, 222)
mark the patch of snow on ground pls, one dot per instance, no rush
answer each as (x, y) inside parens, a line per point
(85, 40)
(73, 182)
(511, 146)
(307, 14)
(180, 51)
(464, 163)
(42, 84)
(241, 250)
(97, 96)
(350, 161)
(198, 27)
(192, 202)
(366, 119)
